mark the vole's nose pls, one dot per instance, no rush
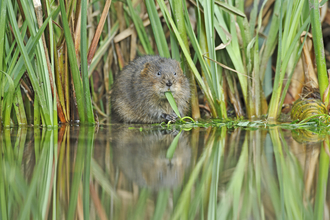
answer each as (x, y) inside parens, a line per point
(169, 83)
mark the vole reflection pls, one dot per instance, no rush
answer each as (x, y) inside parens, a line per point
(141, 156)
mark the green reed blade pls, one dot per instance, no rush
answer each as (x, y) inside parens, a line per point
(74, 65)
(233, 48)
(84, 69)
(3, 13)
(41, 62)
(157, 29)
(209, 27)
(253, 17)
(52, 61)
(318, 47)
(17, 68)
(8, 103)
(171, 100)
(19, 107)
(293, 69)
(13, 62)
(170, 21)
(140, 29)
(271, 40)
(205, 68)
(229, 8)
(179, 13)
(274, 106)
(40, 94)
(174, 47)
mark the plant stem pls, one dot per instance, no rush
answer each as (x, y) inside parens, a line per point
(180, 22)
(74, 66)
(318, 47)
(84, 67)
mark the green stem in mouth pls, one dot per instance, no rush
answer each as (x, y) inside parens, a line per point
(171, 100)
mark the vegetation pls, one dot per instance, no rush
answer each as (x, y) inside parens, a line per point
(240, 173)
(58, 59)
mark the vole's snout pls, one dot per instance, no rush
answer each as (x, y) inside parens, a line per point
(169, 83)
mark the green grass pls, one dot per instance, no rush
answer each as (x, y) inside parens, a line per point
(221, 51)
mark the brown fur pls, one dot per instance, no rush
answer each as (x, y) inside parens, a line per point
(139, 91)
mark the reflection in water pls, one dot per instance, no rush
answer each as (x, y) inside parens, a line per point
(122, 173)
(141, 156)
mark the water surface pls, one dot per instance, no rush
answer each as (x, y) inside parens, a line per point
(128, 172)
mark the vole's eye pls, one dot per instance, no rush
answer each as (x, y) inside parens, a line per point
(174, 73)
(158, 73)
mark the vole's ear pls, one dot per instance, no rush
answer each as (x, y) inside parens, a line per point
(145, 69)
(178, 63)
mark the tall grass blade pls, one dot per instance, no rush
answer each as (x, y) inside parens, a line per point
(8, 103)
(171, 100)
(271, 40)
(274, 106)
(84, 67)
(17, 68)
(140, 29)
(157, 29)
(230, 8)
(19, 107)
(40, 94)
(3, 13)
(184, 50)
(209, 27)
(74, 65)
(318, 47)
(41, 70)
(179, 11)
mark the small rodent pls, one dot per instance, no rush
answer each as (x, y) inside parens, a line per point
(138, 93)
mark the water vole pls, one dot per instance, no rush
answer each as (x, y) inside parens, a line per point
(139, 91)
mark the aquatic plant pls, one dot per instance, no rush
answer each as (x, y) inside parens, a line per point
(62, 57)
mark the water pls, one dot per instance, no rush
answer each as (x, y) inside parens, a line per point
(128, 172)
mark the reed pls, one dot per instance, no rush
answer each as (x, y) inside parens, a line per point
(223, 52)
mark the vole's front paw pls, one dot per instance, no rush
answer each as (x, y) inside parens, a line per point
(167, 117)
